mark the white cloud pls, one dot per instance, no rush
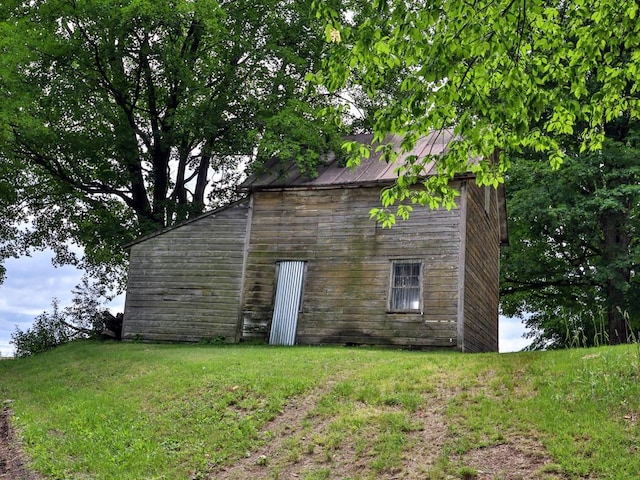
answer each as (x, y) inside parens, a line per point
(30, 285)
(6, 350)
(511, 331)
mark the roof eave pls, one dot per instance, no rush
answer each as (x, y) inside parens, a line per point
(330, 186)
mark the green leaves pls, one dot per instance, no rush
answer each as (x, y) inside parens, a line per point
(571, 253)
(525, 70)
(554, 81)
(129, 116)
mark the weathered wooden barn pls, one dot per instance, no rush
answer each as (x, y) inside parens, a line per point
(300, 262)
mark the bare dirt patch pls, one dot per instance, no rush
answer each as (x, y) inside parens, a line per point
(277, 454)
(425, 444)
(12, 460)
(523, 460)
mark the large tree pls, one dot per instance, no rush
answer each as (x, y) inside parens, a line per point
(570, 269)
(118, 118)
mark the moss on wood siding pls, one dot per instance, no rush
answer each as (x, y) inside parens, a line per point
(349, 257)
(187, 283)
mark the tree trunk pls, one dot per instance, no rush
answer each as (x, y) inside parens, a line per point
(618, 327)
(616, 247)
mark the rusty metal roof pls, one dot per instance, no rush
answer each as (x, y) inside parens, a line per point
(331, 171)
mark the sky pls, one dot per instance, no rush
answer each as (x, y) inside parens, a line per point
(32, 283)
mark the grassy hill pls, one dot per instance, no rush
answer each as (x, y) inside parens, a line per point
(136, 411)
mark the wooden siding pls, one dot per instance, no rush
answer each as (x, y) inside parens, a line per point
(480, 330)
(349, 260)
(185, 284)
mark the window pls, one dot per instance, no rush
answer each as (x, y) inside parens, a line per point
(406, 286)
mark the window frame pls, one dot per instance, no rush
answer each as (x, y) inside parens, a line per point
(391, 308)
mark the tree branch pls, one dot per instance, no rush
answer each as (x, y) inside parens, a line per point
(517, 286)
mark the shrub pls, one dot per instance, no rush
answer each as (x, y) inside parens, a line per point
(84, 318)
(48, 331)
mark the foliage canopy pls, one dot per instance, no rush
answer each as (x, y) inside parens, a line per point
(542, 81)
(122, 117)
(571, 265)
(507, 75)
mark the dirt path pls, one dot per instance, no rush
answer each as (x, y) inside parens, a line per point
(291, 451)
(12, 463)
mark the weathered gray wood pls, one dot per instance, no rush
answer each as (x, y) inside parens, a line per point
(344, 339)
(214, 277)
(481, 271)
(349, 260)
(184, 285)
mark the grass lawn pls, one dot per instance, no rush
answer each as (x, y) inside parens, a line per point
(137, 411)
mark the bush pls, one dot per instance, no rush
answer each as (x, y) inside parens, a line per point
(48, 331)
(84, 318)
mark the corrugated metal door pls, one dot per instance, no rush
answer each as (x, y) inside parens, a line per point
(287, 303)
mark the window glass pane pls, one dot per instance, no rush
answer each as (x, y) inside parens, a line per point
(406, 299)
(405, 290)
